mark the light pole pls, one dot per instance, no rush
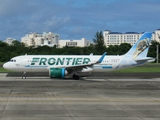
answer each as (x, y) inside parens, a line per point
(158, 48)
(157, 52)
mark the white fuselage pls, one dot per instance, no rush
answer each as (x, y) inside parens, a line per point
(41, 63)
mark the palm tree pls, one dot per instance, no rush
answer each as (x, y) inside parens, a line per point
(99, 43)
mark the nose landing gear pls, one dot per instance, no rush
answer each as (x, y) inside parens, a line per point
(24, 75)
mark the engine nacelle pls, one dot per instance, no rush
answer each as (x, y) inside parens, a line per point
(57, 72)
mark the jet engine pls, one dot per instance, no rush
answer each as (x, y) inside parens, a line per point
(57, 72)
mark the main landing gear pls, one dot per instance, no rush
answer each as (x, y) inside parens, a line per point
(76, 77)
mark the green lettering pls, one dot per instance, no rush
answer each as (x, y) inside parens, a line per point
(78, 61)
(61, 61)
(86, 60)
(68, 60)
(43, 61)
(73, 61)
(51, 61)
(34, 60)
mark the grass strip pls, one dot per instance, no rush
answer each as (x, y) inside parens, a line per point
(2, 70)
(140, 69)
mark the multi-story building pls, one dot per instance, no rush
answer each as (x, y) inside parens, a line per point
(156, 35)
(78, 43)
(9, 41)
(36, 39)
(116, 38)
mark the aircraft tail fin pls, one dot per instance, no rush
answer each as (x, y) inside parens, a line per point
(140, 48)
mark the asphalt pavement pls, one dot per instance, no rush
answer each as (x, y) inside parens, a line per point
(99, 97)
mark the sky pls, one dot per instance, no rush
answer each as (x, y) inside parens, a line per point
(76, 19)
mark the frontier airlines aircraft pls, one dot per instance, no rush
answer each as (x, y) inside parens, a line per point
(75, 66)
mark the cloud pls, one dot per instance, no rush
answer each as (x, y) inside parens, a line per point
(56, 20)
(74, 19)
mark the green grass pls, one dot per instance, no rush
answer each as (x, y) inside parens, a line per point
(1, 63)
(2, 70)
(140, 69)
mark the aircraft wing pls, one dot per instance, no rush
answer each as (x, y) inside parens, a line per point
(79, 67)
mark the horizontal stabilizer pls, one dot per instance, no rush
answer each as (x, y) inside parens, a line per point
(145, 59)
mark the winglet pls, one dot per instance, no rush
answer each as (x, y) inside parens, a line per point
(101, 58)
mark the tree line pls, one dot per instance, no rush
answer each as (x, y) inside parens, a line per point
(98, 48)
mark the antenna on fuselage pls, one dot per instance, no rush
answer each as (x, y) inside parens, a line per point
(91, 54)
(26, 54)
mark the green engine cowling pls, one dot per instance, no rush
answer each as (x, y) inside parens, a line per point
(57, 72)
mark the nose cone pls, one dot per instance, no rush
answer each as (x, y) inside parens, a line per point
(5, 66)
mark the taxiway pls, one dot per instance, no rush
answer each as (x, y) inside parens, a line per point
(92, 98)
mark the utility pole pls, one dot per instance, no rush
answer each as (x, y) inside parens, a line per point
(158, 48)
(157, 53)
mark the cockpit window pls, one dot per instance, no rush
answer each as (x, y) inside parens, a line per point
(12, 60)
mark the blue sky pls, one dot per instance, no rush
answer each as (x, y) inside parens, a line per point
(76, 19)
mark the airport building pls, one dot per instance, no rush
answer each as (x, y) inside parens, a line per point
(51, 39)
(36, 39)
(76, 43)
(110, 38)
(116, 38)
(9, 41)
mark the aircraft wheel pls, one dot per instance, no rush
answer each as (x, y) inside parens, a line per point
(24, 75)
(76, 77)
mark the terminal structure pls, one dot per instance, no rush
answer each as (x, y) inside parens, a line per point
(80, 43)
(116, 38)
(110, 38)
(36, 39)
(51, 39)
(9, 41)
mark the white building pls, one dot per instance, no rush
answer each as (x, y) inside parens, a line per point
(9, 41)
(35, 39)
(156, 35)
(116, 38)
(78, 43)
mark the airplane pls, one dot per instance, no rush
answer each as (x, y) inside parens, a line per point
(76, 66)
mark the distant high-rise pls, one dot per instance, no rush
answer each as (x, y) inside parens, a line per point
(36, 39)
(74, 43)
(9, 41)
(116, 38)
